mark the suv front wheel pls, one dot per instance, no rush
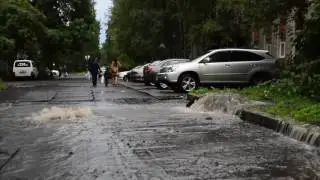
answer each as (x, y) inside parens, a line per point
(188, 82)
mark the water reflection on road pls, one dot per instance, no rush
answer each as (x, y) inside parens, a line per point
(160, 140)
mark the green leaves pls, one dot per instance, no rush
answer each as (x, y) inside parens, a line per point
(137, 28)
(52, 28)
(6, 44)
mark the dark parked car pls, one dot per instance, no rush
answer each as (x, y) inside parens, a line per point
(136, 74)
(150, 72)
(147, 69)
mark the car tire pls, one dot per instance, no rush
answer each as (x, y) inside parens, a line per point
(260, 78)
(125, 78)
(187, 83)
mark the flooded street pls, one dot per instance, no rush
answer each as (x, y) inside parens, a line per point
(67, 130)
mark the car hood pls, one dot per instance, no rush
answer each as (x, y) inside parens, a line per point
(181, 64)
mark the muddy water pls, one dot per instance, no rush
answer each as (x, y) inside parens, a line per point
(146, 141)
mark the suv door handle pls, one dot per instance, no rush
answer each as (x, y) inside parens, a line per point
(252, 65)
(227, 65)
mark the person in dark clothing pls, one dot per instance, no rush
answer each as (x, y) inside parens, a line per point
(94, 69)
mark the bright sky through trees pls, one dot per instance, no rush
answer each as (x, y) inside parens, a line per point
(102, 8)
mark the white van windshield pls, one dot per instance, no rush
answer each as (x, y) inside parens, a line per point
(22, 64)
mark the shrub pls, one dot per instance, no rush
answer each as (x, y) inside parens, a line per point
(3, 85)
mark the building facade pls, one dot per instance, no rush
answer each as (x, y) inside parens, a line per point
(278, 39)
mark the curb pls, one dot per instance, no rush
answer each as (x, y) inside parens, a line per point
(297, 132)
(307, 134)
(146, 92)
(140, 91)
(192, 98)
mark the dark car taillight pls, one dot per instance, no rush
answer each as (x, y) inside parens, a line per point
(148, 69)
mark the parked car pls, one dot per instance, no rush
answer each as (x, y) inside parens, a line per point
(148, 68)
(150, 74)
(123, 74)
(55, 73)
(25, 68)
(136, 74)
(221, 66)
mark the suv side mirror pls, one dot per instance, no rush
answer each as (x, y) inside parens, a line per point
(206, 60)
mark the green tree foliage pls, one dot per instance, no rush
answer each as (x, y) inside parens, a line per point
(264, 12)
(48, 31)
(138, 27)
(309, 39)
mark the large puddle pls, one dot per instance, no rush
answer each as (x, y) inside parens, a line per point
(163, 140)
(70, 113)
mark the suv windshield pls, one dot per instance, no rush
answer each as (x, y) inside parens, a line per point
(201, 57)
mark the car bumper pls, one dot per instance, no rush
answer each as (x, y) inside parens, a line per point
(170, 78)
(151, 77)
(277, 74)
(137, 78)
(22, 74)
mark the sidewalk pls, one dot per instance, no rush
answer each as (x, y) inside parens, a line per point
(153, 91)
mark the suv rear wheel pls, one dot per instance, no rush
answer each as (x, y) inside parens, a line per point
(188, 82)
(125, 78)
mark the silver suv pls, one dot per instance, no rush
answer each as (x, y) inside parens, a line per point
(221, 66)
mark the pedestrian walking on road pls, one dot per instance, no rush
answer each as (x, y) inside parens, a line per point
(94, 69)
(115, 65)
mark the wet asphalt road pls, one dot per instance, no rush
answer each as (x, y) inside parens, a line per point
(132, 135)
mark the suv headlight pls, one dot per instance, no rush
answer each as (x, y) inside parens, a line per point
(167, 69)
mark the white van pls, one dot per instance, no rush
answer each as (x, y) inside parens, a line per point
(25, 68)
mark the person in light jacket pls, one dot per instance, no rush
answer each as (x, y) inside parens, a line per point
(115, 66)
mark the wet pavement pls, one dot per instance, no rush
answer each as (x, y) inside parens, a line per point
(67, 130)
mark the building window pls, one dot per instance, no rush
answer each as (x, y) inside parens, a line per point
(282, 49)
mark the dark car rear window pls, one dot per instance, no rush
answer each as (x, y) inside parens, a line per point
(23, 64)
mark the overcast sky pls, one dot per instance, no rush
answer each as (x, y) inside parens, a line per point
(102, 8)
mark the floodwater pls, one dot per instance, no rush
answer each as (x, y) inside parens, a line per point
(139, 139)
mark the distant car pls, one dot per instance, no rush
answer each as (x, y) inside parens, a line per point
(138, 74)
(55, 73)
(151, 71)
(25, 68)
(123, 74)
(221, 66)
(135, 74)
